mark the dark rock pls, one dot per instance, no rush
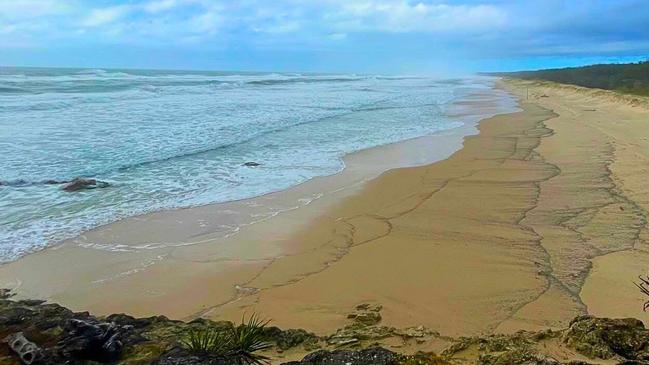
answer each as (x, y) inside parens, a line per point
(15, 315)
(66, 337)
(5, 294)
(251, 164)
(420, 333)
(216, 325)
(31, 302)
(31, 317)
(501, 349)
(122, 319)
(180, 356)
(366, 317)
(500, 342)
(91, 341)
(17, 183)
(81, 184)
(516, 356)
(423, 358)
(290, 338)
(607, 338)
(355, 333)
(49, 316)
(370, 356)
(366, 314)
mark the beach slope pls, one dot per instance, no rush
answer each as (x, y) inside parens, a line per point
(538, 218)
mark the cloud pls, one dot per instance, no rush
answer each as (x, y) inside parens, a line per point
(404, 16)
(207, 23)
(157, 6)
(284, 27)
(415, 29)
(338, 36)
(6, 29)
(21, 9)
(104, 16)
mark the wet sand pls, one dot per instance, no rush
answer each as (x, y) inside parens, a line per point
(538, 218)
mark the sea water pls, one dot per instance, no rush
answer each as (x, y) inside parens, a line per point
(169, 139)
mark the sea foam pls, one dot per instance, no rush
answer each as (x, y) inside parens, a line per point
(177, 139)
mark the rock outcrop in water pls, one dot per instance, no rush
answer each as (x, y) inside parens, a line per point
(36, 332)
(251, 164)
(81, 184)
(78, 183)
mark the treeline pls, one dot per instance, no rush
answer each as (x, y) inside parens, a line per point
(630, 77)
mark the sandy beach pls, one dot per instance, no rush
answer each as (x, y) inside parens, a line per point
(538, 218)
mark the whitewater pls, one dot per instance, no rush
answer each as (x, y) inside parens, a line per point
(172, 139)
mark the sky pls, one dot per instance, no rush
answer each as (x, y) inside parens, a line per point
(357, 36)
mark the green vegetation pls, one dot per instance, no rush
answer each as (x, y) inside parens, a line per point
(630, 78)
(207, 340)
(249, 338)
(242, 341)
(643, 285)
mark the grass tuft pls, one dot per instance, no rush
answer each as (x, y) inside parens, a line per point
(241, 342)
(643, 285)
(207, 340)
(249, 338)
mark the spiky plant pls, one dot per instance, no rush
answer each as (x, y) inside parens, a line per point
(643, 285)
(239, 342)
(208, 340)
(250, 337)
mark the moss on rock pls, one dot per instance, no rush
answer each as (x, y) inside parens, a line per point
(607, 338)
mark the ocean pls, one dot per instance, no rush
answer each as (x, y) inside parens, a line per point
(171, 139)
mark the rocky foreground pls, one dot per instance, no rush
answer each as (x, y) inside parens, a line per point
(36, 332)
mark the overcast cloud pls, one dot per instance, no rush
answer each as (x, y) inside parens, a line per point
(328, 35)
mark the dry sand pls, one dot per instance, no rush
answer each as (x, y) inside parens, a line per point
(538, 218)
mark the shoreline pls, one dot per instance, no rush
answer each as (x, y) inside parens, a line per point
(357, 168)
(497, 237)
(135, 252)
(232, 261)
